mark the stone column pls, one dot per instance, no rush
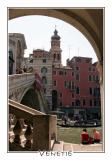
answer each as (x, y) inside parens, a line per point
(41, 138)
(100, 70)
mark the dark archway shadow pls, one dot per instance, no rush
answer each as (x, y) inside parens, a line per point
(30, 99)
(54, 100)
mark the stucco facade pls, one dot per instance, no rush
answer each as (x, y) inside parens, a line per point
(17, 45)
(77, 87)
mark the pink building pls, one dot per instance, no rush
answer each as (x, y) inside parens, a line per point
(77, 88)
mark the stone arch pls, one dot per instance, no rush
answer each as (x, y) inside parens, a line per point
(30, 99)
(26, 98)
(24, 92)
(88, 21)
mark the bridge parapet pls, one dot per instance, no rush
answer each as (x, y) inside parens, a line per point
(29, 129)
(18, 80)
(18, 83)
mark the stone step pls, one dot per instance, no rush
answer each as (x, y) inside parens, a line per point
(67, 147)
(58, 146)
(87, 148)
(63, 146)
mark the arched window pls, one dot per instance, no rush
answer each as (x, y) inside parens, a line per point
(11, 61)
(90, 78)
(77, 77)
(77, 102)
(77, 90)
(54, 56)
(44, 80)
(19, 50)
(55, 100)
(44, 70)
(19, 55)
(58, 57)
(97, 78)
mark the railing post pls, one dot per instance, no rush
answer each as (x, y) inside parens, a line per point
(39, 129)
(53, 127)
(28, 136)
(17, 131)
(41, 136)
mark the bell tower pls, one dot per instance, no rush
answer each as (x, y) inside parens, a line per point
(55, 49)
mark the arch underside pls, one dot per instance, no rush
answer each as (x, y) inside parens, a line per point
(31, 99)
(34, 98)
(88, 21)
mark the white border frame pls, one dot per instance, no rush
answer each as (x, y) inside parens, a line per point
(107, 67)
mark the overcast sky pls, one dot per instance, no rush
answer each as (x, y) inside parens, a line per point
(39, 29)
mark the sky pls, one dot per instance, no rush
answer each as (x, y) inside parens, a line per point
(39, 29)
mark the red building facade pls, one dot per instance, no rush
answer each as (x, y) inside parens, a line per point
(77, 86)
(62, 80)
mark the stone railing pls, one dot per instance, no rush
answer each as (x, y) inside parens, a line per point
(30, 130)
(19, 80)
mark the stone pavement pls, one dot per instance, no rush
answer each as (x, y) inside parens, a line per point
(63, 146)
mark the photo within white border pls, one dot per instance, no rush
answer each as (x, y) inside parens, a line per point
(3, 87)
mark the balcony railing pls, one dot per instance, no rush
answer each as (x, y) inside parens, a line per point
(30, 130)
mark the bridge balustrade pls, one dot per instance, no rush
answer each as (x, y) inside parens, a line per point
(30, 130)
(21, 79)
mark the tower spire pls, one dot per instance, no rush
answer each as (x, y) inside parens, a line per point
(55, 48)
